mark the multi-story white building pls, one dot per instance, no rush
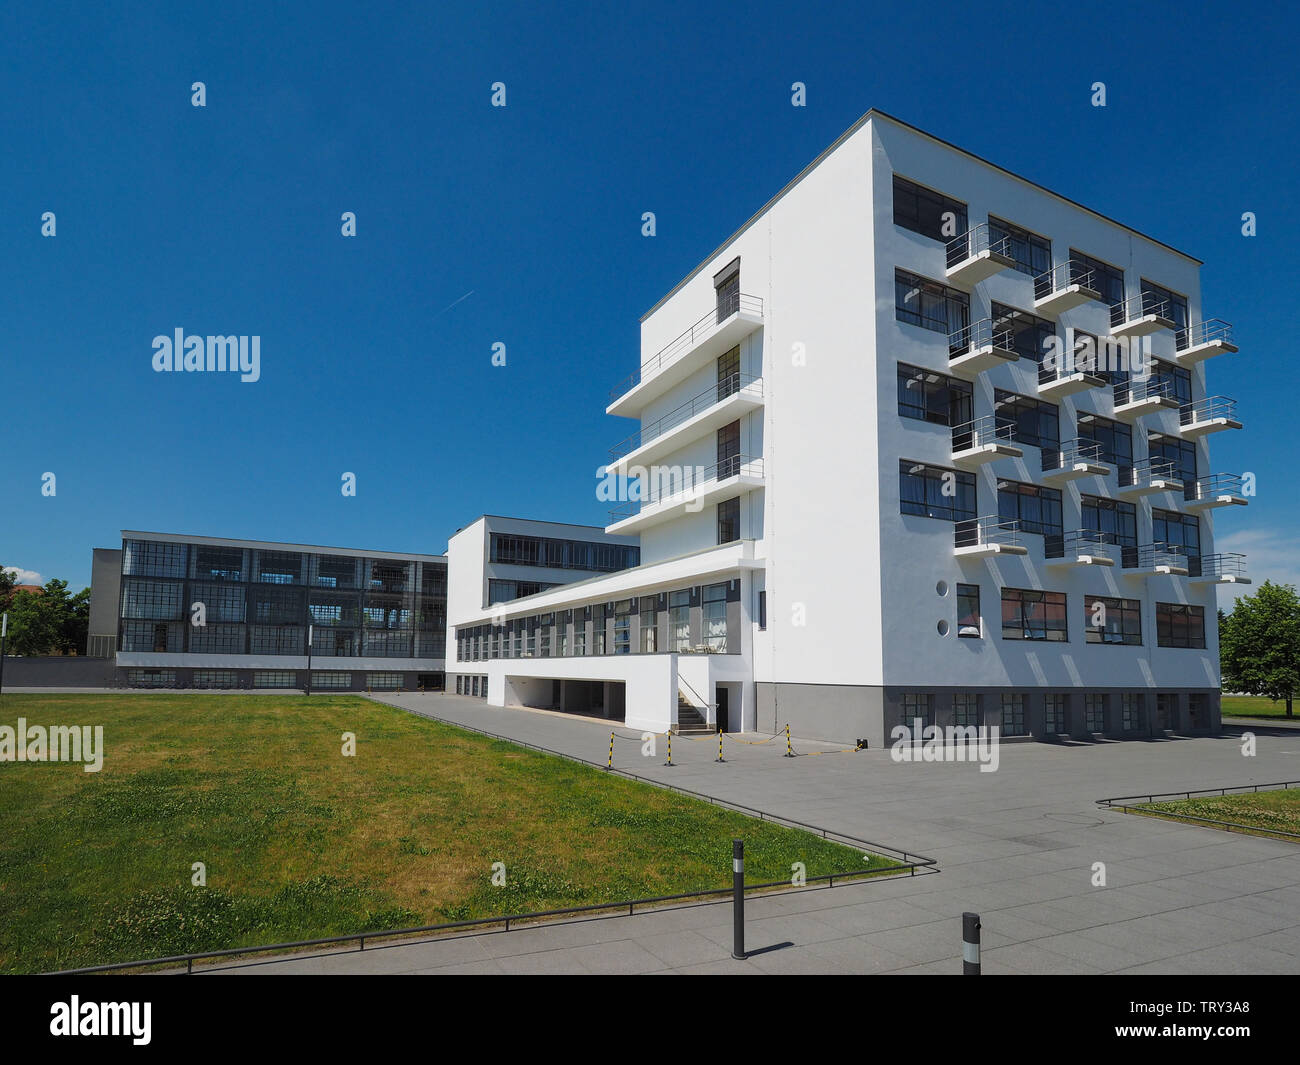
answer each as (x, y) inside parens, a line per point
(923, 440)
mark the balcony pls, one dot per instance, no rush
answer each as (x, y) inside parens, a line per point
(987, 536)
(1083, 547)
(1159, 560)
(977, 255)
(1074, 459)
(1140, 396)
(980, 347)
(1203, 341)
(1148, 477)
(982, 440)
(1064, 287)
(670, 492)
(1227, 568)
(720, 330)
(1140, 315)
(1216, 490)
(713, 408)
(1210, 415)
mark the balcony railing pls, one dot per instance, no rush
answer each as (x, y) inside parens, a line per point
(977, 240)
(1135, 390)
(1230, 565)
(990, 529)
(1145, 472)
(1079, 542)
(733, 303)
(1138, 307)
(1071, 452)
(710, 397)
(981, 431)
(1062, 276)
(1214, 486)
(676, 482)
(1207, 409)
(1174, 556)
(1211, 331)
(980, 335)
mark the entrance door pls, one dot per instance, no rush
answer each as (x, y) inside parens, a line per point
(723, 715)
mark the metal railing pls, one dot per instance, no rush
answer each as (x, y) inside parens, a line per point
(1213, 486)
(1224, 564)
(1135, 390)
(1204, 410)
(736, 303)
(989, 529)
(985, 333)
(1070, 452)
(1149, 556)
(977, 240)
(1210, 331)
(1137, 307)
(987, 429)
(674, 482)
(1145, 472)
(1079, 542)
(1062, 276)
(710, 397)
(1130, 804)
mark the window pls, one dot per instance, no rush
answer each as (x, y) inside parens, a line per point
(215, 678)
(278, 640)
(762, 609)
(1180, 625)
(544, 627)
(1030, 421)
(1107, 620)
(1094, 712)
(932, 397)
(968, 611)
(1175, 308)
(1166, 711)
(222, 602)
(500, 591)
(277, 567)
(1106, 279)
(935, 492)
(562, 639)
(1037, 509)
(1131, 711)
(726, 285)
(715, 618)
(623, 627)
(729, 450)
(598, 631)
(649, 625)
(152, 558)
(1032, 253)
(679, 620)
(729, 373)
(923, 211)
(918, 301)
(1056, 715)
(273, 678)
(579, 636)
(1182, 453)
(966, 709)
(151, 678)
(1196, 711)
(333, 571)
(1114, 439)
(1013, 714)
(1180, 531)
(218, 563)
(1030, 614)
(918, 710)
(1031, 337)
(729, 520)
(1175, 380)
(331, 680)
(562, 554)
(384, 681)
(1114, 522)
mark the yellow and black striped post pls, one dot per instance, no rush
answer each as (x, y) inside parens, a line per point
(670, 749)
(720, 758)
(610, 763)
(788, 752)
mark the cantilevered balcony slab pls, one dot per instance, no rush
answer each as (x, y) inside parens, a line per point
(1073, 460)
(1211, 415)
(983, 440)
(1216, 490)
(700, 344)
(1227, 568)
(688, 495)
(697, 418)
(1203, 341)
(977, 255)
(1140, 398)
(1065, 287)
(1140, 316)
(1076, 550)
(980, 347)
(987, 537)
(1148, 477)
(1159, 560)
(1053, 386)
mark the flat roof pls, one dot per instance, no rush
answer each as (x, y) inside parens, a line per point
(546, 521)
(219, 541)
(876, 113)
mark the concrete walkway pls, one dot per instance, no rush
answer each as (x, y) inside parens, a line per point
(1017, 845)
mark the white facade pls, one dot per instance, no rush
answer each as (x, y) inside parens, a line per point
(860, 597)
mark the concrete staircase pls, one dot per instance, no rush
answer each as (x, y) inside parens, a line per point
(690, 718)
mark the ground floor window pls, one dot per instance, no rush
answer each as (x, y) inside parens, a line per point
(715, 618)
(151, 678)
(1094, 713)
(383, 681)
(1056, 710)
(649, 627)
(1131, 711)
(918, 707)
(272, 678)
(966, 709)
(1166, 710)
(1013, 715)
(215, 678)
(331, 680)
(1197, 709)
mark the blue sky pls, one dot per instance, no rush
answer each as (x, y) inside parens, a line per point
(225, 219)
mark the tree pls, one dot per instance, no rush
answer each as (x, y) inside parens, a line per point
(7, 582)
(49, 622)
(1259, 644)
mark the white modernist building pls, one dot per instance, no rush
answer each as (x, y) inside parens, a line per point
(923, 440)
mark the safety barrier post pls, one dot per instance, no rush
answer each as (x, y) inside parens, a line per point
(670, 749)
(610, 764)
(970, 944)
(788, 752)
(738, 898)
(720, 758)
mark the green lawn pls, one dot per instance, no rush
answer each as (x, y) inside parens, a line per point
(1261, 812)
(300, 842)
(1254, 706)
